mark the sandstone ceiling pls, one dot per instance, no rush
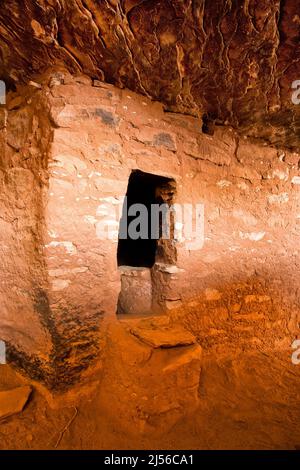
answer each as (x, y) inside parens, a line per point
(232, 61)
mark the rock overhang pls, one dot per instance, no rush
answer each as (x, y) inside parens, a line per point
(234, 64)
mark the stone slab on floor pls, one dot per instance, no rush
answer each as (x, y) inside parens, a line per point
(163, 336)
(13, 401)
(152, 375)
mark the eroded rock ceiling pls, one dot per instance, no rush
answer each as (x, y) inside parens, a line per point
(232, 61)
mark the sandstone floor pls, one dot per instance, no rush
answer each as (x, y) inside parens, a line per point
(248, 400)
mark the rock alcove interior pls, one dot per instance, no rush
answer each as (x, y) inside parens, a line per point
(163, 101)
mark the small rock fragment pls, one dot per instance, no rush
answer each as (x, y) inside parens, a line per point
(35, 84)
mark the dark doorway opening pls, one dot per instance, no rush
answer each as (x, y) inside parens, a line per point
(147, 189)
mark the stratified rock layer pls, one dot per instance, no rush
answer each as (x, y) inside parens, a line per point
(233, 62)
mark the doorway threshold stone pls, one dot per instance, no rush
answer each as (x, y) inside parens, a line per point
(160, 336)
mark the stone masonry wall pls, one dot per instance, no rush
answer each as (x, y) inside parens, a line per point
(244, 281)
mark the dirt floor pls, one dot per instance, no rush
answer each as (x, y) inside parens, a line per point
(248, 400)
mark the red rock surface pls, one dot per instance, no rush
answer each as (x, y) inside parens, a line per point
(233, 62)
(221, 74)
(59, 168)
